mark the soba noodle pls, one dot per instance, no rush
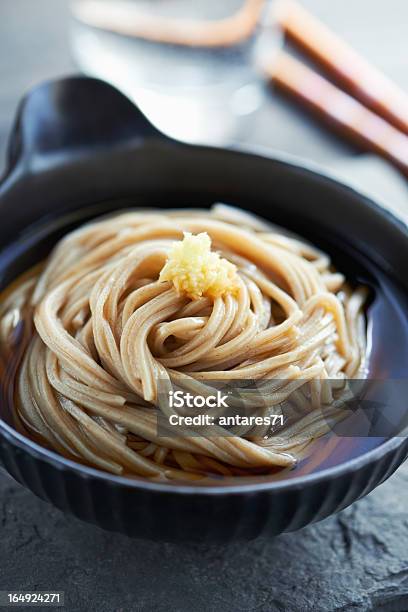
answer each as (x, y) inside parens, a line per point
(108, 332)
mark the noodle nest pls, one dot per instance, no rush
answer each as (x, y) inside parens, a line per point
(106, 335)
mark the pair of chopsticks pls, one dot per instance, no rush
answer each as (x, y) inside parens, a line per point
(370, 109)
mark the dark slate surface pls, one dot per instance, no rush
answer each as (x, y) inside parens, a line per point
(357, 560)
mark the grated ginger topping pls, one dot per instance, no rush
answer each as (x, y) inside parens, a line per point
(197, 271)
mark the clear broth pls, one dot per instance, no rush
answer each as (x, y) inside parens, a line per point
(387, 324)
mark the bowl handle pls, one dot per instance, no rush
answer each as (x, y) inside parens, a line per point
(74, 116)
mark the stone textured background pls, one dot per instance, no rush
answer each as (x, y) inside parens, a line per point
(357, 560)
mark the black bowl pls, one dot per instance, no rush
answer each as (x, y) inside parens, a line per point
(79, 148)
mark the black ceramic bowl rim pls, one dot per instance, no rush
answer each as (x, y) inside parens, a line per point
(326, 474)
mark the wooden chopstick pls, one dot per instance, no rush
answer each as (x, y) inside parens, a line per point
(339, 109)
(129, 20)
(351, 71)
